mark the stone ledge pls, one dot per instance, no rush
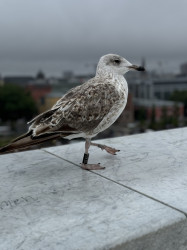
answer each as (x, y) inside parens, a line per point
(138, 202)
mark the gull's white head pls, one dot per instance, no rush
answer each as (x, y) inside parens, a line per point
(116, 64)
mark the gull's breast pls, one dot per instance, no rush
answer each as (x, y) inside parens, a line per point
(115, 110)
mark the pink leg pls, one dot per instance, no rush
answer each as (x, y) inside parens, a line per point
(84, 164)
(104, 147)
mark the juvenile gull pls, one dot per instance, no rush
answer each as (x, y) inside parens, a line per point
(84, 111)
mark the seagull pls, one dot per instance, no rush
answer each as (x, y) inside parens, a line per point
(84, 111)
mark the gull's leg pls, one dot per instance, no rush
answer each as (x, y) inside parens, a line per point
(85, 159)
(104, 147)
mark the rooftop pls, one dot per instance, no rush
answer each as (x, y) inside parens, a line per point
(138, 202)
(156, 102)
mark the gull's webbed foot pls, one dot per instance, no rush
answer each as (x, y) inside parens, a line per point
(110, 150)
(92, 166)
(104, 147)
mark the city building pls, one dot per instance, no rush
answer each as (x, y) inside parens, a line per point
(163, 89)
(159, 88)
(183, 69)
(50, 99)
(39, 92)
(18, 80)
(170, 108)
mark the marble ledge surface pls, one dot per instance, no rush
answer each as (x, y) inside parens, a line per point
(154, 164)
(47, 202)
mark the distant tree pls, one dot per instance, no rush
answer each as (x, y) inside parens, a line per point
(175, 117)
(164, 118)
(180, 96)
(153, 114)
(141, 114)
(153, 123)
(16, 103)
(169, 121)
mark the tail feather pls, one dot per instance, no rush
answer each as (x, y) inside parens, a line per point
(22, 136)
(25, 141)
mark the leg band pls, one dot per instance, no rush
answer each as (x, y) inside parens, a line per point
(85, 159)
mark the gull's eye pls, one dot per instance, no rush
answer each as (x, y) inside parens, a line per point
(117, 61)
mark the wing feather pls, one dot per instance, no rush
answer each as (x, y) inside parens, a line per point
(80, 110)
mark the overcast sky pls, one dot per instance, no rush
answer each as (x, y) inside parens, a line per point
(58, 35)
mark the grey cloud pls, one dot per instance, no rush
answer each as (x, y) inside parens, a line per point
(73, 32)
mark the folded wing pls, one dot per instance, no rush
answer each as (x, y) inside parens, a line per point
(80, 110)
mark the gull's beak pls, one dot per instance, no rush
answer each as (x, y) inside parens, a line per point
(138, 68)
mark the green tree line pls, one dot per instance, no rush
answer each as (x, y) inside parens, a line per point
(15, 103)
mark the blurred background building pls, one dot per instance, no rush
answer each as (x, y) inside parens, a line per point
(63, 42)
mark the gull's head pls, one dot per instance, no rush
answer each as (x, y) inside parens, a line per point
(116, 64)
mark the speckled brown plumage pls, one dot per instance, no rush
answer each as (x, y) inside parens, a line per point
(80, 110)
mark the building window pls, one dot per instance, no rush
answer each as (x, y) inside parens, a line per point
(148, 92)
(157, 95)
(166, 95)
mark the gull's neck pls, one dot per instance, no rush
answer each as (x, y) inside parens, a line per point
(114, 78)
(107, 73)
